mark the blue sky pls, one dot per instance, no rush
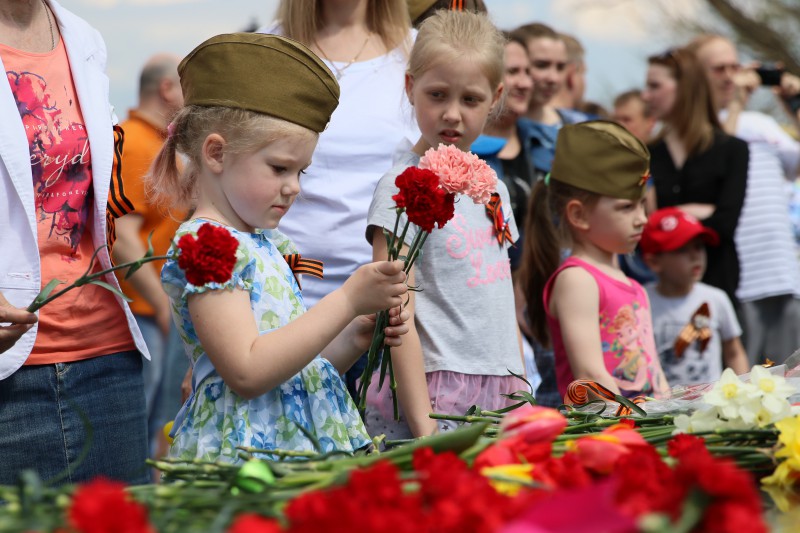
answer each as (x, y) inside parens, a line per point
(614, 32)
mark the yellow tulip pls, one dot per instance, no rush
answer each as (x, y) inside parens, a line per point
(508, 479)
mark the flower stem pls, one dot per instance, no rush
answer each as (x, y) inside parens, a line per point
(89, 278)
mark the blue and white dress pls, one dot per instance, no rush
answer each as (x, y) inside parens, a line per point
(215, 420)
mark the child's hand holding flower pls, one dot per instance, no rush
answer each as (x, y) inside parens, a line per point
(375, 287)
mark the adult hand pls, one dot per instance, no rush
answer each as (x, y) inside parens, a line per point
(18, 321)
(746, 80)
(789, 87)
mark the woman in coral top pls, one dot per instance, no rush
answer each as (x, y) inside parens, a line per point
(77, 370)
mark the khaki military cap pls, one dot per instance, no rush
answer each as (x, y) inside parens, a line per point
(268, 74)
(601, 157)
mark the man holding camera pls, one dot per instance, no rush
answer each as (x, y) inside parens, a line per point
(769, 287)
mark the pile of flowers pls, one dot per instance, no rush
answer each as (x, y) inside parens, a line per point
(530, 469)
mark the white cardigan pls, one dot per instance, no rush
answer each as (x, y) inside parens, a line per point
(20, 271)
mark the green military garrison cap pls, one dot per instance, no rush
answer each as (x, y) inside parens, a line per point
(269, 74)
(601, 157)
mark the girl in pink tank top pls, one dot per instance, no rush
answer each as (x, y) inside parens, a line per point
(595, 318)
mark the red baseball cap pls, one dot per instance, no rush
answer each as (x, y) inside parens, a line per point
(669, 229)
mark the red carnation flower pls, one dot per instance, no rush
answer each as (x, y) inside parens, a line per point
(103, 506)
(254, 523)
(209, 257)
(683, 444)
(426, 203)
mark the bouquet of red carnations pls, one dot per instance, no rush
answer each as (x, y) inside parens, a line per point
(426, 196)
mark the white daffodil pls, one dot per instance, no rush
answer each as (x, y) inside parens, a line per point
(736, 405)
(734, 398)
(699, 422)
(773, 392)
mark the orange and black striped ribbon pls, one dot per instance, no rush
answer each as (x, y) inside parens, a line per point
(457, 5)
(301, 265)
(578, 394)
(118, 204)
(698, 329)
(495, 211)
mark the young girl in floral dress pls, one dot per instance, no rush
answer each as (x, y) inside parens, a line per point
(258, 380)
(464, 338)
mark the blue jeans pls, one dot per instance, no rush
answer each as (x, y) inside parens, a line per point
(157, 345)
(70, 422)
(163, 376)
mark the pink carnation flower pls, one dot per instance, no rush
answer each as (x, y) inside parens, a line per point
(461, 172)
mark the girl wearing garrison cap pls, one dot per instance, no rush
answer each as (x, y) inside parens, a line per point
(265, 372)
(596, 319)
(365, 43)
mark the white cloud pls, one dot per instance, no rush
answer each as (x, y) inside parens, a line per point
(621, 21)
(508, 14)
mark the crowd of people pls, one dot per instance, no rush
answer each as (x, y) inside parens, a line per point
(642, 247)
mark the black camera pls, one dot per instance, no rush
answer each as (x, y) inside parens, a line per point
(770, 75)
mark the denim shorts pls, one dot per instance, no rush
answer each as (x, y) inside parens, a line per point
(70, 422)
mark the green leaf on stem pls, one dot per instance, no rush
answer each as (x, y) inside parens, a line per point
(110, 288)
(522, 395)
(42, 296)
(150, 252)
(87, 274)
(456, 441)
(622, 400)
(136, 265)
(523, 378)
(132, 269)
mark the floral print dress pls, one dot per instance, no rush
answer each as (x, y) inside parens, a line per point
(215, 419)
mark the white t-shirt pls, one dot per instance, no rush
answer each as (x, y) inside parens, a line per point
(465, 311)
(670, 315)
(764, 236)
(329, 217)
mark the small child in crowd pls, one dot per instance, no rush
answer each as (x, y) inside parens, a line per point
(695, 326)
(464, 339)
(596, 318)
(254, 106)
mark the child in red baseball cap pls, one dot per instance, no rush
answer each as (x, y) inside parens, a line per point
(695, 326)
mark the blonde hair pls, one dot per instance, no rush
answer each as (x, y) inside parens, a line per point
(452, 35)
(301, 20)
(244, 131)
